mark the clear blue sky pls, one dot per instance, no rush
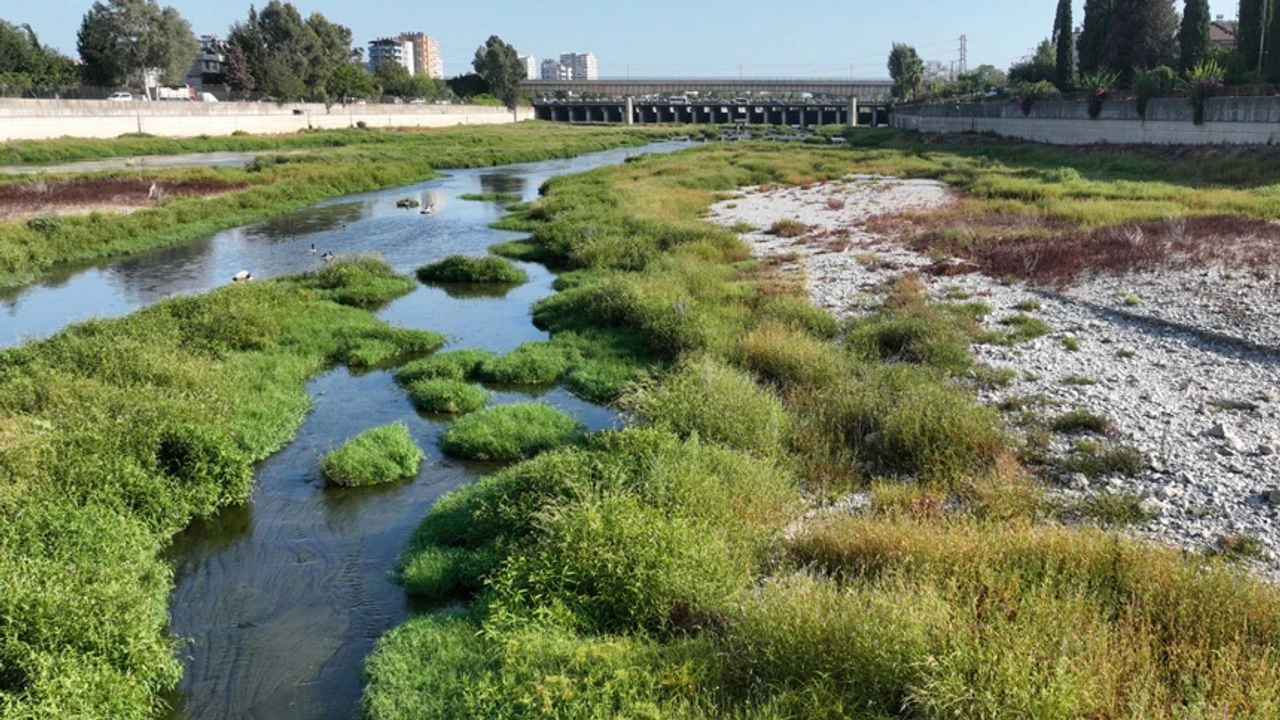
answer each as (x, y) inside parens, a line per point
(657, 37)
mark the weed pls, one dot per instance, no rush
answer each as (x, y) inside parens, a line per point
(533, 363)
(462, 269)
(1240, 546)
(788, 228)
(1126, 353)
(439, 395)
(509, 432)
(1095, 459)
(373, 457)
(1071, 343)
(1112, 509)
(1027, 305)
(1024, 327)
(996, 377)
(453, 365)
(1081, 420)
(1079, 380)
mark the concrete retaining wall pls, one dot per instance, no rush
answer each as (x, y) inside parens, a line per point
(1242, 121)
(42, 119)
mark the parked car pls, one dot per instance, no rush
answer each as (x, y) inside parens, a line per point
(120, 97)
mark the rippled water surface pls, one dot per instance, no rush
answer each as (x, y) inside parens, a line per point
(278, 602)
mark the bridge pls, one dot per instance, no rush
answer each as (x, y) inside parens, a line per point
(867, 89)
(720, 101)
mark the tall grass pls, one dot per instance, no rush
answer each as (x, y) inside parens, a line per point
(381, 455)
(356, 162)
(114, 434)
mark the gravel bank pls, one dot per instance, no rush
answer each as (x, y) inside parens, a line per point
(1185, 364)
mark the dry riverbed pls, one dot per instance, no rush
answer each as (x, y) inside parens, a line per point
(1183, 361)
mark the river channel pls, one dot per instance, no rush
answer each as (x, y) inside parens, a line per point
(277, 603)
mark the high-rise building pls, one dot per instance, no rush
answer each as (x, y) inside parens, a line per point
(552, 69)
(582, 66)
(426, 55)
(417, 52)
(530, 65)
(396, 50)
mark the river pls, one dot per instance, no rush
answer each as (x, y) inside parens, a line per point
(277, 603)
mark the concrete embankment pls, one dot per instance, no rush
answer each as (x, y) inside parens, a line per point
(22, 119)
(1227, 120)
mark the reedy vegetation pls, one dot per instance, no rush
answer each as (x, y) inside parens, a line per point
(354, 161)
(646, 572)
(114, 435)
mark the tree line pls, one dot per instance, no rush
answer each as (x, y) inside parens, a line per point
(1129, 43)
(274, 52)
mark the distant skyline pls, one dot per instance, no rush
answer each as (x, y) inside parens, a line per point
(753, 38)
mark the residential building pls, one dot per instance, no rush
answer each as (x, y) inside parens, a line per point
(1224, 33)
(582, 66)
(530, 65)
(552, 69)
(396, 50)
(426, 55)
(210, 62)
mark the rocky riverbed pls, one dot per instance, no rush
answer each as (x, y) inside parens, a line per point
(1185, 364)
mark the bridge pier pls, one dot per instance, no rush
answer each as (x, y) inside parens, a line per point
(853, 112)
(628, 110)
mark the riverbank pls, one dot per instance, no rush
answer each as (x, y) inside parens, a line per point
(371, 160)
(709, 561)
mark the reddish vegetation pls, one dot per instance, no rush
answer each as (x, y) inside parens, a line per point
(63, 197)
(1059, 253)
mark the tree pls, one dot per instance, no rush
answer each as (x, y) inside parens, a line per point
(1040, 67)
(239, 77)
(907, 71)
(1271, 53)
(1092, 46)
(350, 80)
(25, 65)
(1255, 15)
(1144, 34)
(1193, 36)
(1064, 42)
(499, 64)
(980, 80)
(122, 37)
(291, 58)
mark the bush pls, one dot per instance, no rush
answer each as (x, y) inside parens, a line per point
(788, 228)
(1081, 419)
(462, 269)
(376, 456)
(925, 339)
(446, 396)
(714, 402)
(786, 357)
(510, 432)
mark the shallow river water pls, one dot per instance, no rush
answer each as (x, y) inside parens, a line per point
(278, 602)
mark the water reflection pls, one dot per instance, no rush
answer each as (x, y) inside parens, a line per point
(310, 221)
(503, 183)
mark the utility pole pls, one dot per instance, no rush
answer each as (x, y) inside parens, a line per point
(964, 54)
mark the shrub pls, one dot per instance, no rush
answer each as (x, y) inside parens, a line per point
(922, 338)
(446, 396)
(452, 365)
(709, 400)
(463, 269)
(376, 456)
(787, 357)
(1024, 327)
(510, 432)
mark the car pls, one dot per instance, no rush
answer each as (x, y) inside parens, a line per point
(120, 97)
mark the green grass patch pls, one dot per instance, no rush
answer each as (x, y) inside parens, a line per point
(1098, 459)
(491, 197)
(1024, 327)
(510, 432)
(539, 362)
(463, 269)
(374, 457)
(1111, 509)
(453, 365)
(1081, 420)
(440, 395)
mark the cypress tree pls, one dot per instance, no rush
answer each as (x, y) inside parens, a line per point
(1254, 16)
(1065, 67)
(1271, 58)
(1193, 36)
(1144, 34)
(1092, 48)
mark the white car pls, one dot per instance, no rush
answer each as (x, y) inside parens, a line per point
(121, 97)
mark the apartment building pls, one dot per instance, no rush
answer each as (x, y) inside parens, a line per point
(416, 52)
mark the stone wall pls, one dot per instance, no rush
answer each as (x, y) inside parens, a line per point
(1228, 120)
(42, 119)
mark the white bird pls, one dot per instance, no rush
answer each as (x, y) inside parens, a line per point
(328, 255)
(242, 276)
(313, 248)
(153, 192)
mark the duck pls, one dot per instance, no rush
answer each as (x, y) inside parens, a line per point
(242, 276)
(313, 248)
(327, 256)
(428, 210)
